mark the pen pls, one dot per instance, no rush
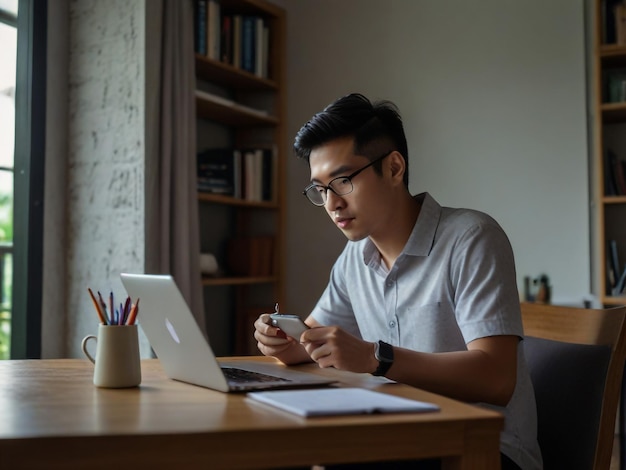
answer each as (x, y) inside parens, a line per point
(95, 304)
(111, 306)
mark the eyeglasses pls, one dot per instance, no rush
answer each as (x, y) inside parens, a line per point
(342, 185)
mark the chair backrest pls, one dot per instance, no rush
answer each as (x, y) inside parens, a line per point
(576, 360)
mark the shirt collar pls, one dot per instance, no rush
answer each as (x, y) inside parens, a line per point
(422, 236)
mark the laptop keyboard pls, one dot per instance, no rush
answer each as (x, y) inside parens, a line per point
(246, 376)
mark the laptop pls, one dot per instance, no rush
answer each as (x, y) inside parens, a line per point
(185, 353)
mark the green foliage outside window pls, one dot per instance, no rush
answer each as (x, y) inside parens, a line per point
(6, 268)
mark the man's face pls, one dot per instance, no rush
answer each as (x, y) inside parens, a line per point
(362, 212)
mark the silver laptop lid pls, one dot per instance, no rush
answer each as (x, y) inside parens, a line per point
(182, 348)
(172, 330)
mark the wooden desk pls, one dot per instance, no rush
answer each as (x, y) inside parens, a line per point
(51, 416)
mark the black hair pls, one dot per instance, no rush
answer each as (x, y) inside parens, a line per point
(376, 128)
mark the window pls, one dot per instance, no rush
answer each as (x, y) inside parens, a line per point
(8, 55)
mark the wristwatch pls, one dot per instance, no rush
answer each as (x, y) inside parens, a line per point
(384, 354)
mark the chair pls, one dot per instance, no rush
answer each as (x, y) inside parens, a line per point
(576, 361)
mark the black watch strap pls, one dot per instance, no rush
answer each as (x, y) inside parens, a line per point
(384, 355)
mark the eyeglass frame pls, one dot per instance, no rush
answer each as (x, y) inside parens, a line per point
(349, 178)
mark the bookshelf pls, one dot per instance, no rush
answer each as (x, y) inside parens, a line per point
(241, 109)
(609, 131)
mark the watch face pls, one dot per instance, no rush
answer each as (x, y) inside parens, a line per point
(384, 355)
(383, 352)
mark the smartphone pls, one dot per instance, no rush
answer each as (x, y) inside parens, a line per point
(292, 325)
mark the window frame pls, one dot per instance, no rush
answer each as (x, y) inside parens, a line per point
(28, 185)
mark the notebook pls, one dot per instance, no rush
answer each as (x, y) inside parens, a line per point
(185, 353)
(340, 401)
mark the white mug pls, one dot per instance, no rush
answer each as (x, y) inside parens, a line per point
(117, 363)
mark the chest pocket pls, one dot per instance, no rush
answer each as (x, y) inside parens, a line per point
(431, 328)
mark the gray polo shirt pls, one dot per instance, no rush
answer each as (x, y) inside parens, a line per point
(454, 282)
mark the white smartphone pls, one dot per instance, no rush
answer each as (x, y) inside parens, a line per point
(292, 325)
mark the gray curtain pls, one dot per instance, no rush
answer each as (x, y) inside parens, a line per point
(172, 225)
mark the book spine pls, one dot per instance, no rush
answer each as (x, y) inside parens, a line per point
(609, 21)
(258, 47)
(266, 51)
(610, 181)
(620, 177)
(620, 285)
(268, 175)
(249, 176)
(215, 171)
(237, 185)
(200, 26)
(237, 33)
(614, 259)
(258, 175)
(620, 24)
(226, 43)
(213, 30)
(248, 37)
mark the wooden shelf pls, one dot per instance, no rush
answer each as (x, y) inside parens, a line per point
(233, 77)
(234, 116)
(612, 300)
(613, 112)
(612, 55)
(614, 199)
(219, 199)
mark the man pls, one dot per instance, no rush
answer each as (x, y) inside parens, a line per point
(422, 294)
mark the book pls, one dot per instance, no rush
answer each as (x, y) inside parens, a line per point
(620, 23)
(258, 47)
(238, 165)
(614, 261)
(200, 26)
(213, 30)
(620, 176)
(250, 175)
(265, 53)
(248, 39)
(610, 180)
(609, 21)
(615, 86)
(340, 401)
(216, 171)
(620, 284)
(268, 176)
(236, 46)
(226, 41)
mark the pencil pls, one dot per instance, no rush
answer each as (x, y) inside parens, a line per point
(133, 313)
(95, 304)
(104, 308)
(125, 312)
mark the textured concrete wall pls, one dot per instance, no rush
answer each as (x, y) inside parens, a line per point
(105, 179)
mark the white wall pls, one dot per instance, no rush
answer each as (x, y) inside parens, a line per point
(492, 94)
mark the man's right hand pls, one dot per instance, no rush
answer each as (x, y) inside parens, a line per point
(272, 341)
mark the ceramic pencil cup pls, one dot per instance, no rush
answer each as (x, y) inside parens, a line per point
(117, 363)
